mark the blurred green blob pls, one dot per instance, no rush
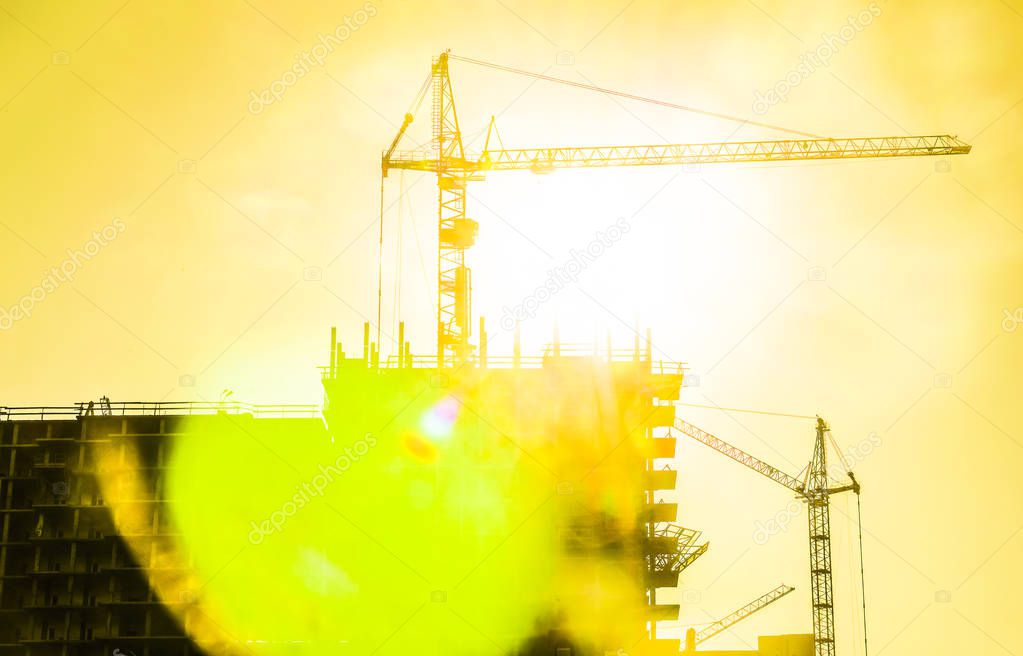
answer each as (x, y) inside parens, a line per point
(369, 536)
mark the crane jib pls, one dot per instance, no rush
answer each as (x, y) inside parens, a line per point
(698, 153)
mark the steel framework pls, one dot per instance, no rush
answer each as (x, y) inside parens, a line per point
(456, 232)
(740, 456)
(818, 502)
(684, 552)
(541, 159)
(738, 615)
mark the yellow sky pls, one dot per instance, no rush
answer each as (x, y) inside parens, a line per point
(883, 295)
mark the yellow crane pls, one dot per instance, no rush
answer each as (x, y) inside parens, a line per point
(455, 168)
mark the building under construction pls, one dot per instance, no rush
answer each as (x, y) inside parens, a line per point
(76, 580)
(92, 561)
(76, 571)
(586, 424)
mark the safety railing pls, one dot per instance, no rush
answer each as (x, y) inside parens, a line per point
(157, 408)
(549, 353)
(685, 552)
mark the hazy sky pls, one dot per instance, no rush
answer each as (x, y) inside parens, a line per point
(207, 238)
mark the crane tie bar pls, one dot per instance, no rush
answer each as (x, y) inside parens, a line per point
(630, 96)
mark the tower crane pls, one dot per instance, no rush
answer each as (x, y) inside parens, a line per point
(455, 167)
(815, 489)
(694, 637)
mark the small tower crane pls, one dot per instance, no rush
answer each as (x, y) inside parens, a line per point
(816, 491)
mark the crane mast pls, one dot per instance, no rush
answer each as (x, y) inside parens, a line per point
(456, 232)
(818, 499)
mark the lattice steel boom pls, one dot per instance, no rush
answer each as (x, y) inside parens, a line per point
(542, 159)
(737, 616)
(739, 456)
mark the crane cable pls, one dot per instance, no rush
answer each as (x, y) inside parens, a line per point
(745, 410)
(413, 108)
(859, 528)
(420, 95)
(841, 456)
(419, 245)
(399, 256)
(380, 260)
(863, 580)
(629, 96)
